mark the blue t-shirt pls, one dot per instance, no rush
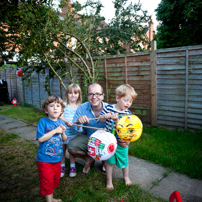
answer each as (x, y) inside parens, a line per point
(49, 151)
(85, 109)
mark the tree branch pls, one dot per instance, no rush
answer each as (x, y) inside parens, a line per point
(54, 70)
(74, 62)
(90, 75)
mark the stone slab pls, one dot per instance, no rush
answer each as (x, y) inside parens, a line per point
(141, 172)
(190, 189)
(28, 132)
(4, 119)
(15, 124)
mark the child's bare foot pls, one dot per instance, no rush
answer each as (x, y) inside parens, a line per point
(56, 200)
(104, 166)
(127, 181)
(109, 185)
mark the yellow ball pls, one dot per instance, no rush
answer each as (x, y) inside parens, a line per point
(129, 128)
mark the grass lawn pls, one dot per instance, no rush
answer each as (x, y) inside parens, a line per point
(19, 178)
(29, 115)
(178, 150)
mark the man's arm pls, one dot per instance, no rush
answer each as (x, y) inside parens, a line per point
(104, 115)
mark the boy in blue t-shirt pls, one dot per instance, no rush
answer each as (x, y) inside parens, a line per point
(125, 94)
(50, 134)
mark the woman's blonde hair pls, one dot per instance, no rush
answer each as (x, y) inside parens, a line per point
(75, 88)
(51, 99)
(124, 90)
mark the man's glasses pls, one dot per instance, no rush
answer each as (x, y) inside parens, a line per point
(96, 94)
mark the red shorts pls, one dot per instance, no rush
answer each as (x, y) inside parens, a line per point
(49, 174)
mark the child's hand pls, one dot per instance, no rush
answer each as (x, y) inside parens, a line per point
(106, 116)
(69, 123)
(123, 143)
(64, 136)
(60, 129)
(63, 128)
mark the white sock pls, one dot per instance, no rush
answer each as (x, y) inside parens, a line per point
(72, 165)
(62, 164)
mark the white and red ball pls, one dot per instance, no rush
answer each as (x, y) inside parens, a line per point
(102, 145)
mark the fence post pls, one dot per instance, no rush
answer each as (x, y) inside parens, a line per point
(106, 77)
(23, 90)
(16, 83)
(10, 75)
(126, 69)
(31, 89)
(5, 71)
(39, 86)
(47, 77)
(186, 88)
(153, 83)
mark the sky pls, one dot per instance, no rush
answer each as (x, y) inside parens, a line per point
(149, 5)
(108, 10)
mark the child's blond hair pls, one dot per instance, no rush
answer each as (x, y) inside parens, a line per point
(75, 88)
(51, 99)
(124, 90)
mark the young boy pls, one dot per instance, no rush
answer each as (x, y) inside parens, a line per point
(125, 94)
(50, 134)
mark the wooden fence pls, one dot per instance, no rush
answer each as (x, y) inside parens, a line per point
(179, 87)
(133, 69)
(168, 83)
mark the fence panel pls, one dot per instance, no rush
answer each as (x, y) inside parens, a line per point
(133, 69)
(194, 97)
(179, 79)
(138, 67)
(14, 83)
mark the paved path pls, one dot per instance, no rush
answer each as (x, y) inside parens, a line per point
(148, 176)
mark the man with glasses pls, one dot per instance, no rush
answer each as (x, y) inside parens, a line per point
(78, 147)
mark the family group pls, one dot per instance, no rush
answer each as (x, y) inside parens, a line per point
(68, 126)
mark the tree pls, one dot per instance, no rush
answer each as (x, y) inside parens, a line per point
(43, 39)
(126, 32)
(10, 22)
(180, 23)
